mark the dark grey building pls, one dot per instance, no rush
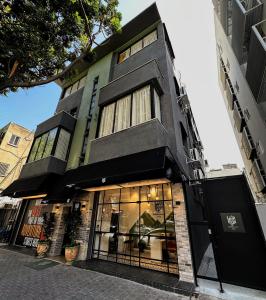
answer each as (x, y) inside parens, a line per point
(241, 49)
(124, 149)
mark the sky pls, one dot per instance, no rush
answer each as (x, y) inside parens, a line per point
(190, 27)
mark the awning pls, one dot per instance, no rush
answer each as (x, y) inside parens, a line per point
(151, 164)
(30, 186)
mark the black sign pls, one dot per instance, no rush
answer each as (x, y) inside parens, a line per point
(232, 222)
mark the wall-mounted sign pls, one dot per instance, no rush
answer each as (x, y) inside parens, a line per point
(232, 222)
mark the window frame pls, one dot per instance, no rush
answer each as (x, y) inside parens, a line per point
(16, 137)
(54, 144)
(137, 41)
(152, 104)
(5, 167)
(72, 85)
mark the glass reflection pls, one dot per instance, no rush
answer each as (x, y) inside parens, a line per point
(135, 226)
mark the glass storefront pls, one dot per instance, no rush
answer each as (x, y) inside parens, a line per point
(31, 228)
(135, 226)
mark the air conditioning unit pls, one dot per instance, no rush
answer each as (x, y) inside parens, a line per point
(194, 160)
(183, 101)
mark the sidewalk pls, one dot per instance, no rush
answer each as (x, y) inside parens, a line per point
(25, 277)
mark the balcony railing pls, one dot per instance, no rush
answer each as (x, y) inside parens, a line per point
(256, 66)
(230, 94)
(248, 144)
(238, 117)
(245, 13)
(223, 74)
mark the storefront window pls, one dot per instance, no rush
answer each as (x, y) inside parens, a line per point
(135, 226)
(31, 228)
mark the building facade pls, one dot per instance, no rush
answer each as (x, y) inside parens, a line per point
(123, 148)
(240, 28)
(15, 144)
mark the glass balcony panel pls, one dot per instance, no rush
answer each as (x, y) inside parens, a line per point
(238, 117)
(229, 94)
(258, 176)
(248, 144)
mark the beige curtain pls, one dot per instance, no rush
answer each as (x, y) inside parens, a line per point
(150, 38)
(157, 106)
(124, 55)
(141, 106)
(122, 114)
(107, 118)
(136, 47)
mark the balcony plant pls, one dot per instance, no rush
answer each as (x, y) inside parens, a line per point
(46, 234)
(72, 222)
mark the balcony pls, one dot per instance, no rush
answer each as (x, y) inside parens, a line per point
(247, 144)
(223, 74)
(147, 73)
(244, 15)
(258, 176)
(48, 165)
(238, 117)
(143, 137)
(230, 94)
(61, 119)
(255, 74)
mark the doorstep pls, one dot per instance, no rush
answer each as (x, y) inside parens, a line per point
(159, 280)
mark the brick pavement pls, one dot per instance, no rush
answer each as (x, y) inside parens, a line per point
(18, 281)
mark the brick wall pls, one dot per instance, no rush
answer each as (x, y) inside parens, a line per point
(182, 235)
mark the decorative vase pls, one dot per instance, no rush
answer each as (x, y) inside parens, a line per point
(42, 249)
(71, 254)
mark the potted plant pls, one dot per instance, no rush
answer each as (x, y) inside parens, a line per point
(46, 234)
(72, 222)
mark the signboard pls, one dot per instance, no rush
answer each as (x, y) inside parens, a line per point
(232, 222)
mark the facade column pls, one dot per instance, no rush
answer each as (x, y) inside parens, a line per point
(182, 235)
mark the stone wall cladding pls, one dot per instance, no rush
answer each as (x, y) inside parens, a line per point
(59, 231)
(182, 235)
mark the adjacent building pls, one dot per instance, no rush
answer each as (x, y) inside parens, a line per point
(226, 170)
(240, 27)
(15, 144)
(123, 148)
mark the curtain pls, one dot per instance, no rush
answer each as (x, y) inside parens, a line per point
(107, 118)
(150, 38)
(141, 106)
(122, 114)
(62, 144)
(136, 47)
(157, 106)
(124, 55)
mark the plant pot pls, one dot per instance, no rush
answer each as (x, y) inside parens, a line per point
(71, 254)
(42, 249)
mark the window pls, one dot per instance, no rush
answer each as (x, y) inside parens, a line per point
(74, 112)
(3, 168)
(135, 226)
(74, 87)
(14, 140)
(44, 145)
(62, 144)
(141, 106)
(136, 47)
(134, 109)
(2, 135)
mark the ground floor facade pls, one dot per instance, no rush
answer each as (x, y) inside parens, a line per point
(141, 224)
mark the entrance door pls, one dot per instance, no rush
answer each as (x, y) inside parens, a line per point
(135, 226)
(239, 244)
